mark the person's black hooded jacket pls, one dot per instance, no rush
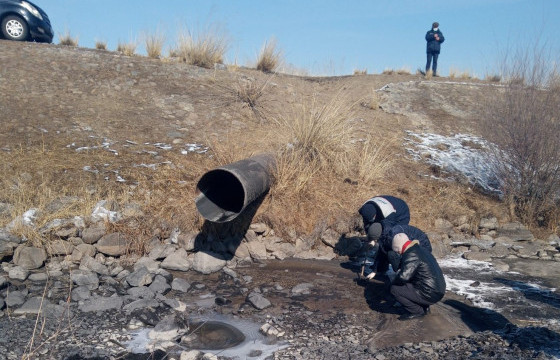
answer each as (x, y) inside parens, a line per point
(420, 268)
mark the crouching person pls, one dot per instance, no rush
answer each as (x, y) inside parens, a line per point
(419, 281)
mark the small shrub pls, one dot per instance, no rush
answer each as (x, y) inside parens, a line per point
(154, 44)
(203, 49)
(66, 39)
(493, 78)
(101, 45)
(269, 57)
(128, 49)
(388, 71)
(522, 119)
(403, 71)
(429, 74)
(360, 72)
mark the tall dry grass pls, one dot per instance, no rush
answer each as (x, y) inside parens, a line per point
(100, 45)
(154, 41)
(270, 57)
(203, 48)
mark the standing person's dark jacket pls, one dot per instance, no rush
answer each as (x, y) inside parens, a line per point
(385, 209)
(420, 268)
(433, 45)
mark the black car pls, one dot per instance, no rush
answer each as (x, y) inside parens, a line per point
(22, 20)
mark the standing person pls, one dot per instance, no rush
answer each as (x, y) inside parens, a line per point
(434, 38)
(380, 214)
(419, 281)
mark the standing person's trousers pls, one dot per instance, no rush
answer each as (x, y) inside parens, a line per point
(431, 57)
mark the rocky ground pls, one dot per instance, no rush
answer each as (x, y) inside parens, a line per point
(87, 298)
(84, 296)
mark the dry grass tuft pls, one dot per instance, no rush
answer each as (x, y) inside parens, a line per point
(128, 49)
(388, 71)
(66, 39)
(101, 45)
(203, 49)
(270, 57)
(429, 74)
(404, 71)
(493, 78)
(360, 72)
(154, 43)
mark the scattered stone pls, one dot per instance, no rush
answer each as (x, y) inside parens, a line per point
(18, 273)
(207, 263)
(15, 298)
(102, 304)
(159, 285)
(141, 304)
(39, 277)
(85, 278)
(139, 277)
(92, 234)
(90, 264)
(302, 289)
(113, 244)
(29, 258)
(177, 261)
(180, 285)
(60, 247)
(169, 328)
(80, 293)
(258, 301)
(141, 292)
(149, 263)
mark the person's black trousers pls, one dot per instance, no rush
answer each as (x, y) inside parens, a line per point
(410, 299)
(432, 57)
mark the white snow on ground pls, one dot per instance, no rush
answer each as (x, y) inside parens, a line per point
(476, 294)
(461, 154)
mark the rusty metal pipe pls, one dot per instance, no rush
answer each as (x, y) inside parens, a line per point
(223, 193)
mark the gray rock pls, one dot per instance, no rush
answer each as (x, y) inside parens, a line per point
(159, 285)
(282, 250)
(18, 273)
(7, 249)
(477, 256)
(169, 328)
(180, 285)
(139, 277)
(32, 306)
(38, 277)
(141, 292)
(500, 266)
(260, 228)
(150, 264)
(85, 278)
(90, 264)
(207, 263)
(60, 247)
(161, 251)
(251, 236)
(141, 304)
(6, 236)
(242, 251)
(499, 250)
(187, 241)
(191, 355)
(257, 250)
(516, 232)
(102, 304)
(177, 261)
(488, 223)
(92, 234)
(175, 304)
(29, 257)
(113, 244)
(15, 298)
(258, 300)
(2, 304)
(67, 232)
(302, 289)
(3, 281)
(80, 293)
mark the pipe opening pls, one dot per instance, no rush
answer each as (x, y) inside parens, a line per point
(221, 197)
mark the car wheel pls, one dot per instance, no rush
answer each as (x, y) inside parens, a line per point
(15, 28)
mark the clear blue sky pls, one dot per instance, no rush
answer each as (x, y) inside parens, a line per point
(326, 37)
